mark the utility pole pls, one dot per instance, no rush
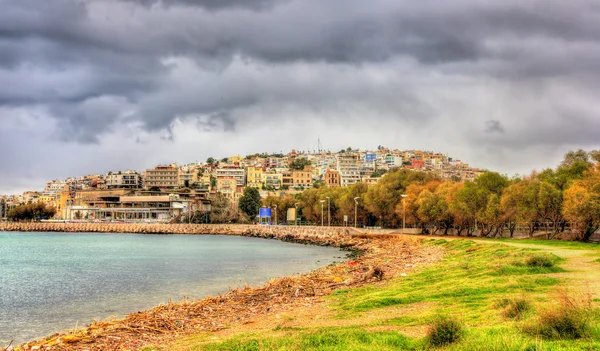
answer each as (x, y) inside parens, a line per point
(296, 206)
(403, 213)
(275, 214)
(356, 211)
(322, 201)
(328, 211)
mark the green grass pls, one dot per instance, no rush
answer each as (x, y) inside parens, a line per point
(329, 339)
(493, 289)
(575, 245)
(465, 282)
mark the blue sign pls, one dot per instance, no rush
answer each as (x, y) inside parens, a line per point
(370, 157)
(264, 212)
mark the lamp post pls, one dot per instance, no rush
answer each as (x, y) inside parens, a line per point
(403, 213)
(322, 201)
(356, 211)
(328, 211)
(296, 206)
(275, 214)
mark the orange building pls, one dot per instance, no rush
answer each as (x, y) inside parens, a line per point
(332, 178)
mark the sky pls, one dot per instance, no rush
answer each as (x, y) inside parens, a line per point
(90, 86)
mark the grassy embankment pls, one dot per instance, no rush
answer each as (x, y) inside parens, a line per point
(496, 297)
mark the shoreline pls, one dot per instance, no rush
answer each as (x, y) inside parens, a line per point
(391, 256)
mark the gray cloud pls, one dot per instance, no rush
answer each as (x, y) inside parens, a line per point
(494, 126)
(94, 68)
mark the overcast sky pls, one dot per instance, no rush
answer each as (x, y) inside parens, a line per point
(88, 86)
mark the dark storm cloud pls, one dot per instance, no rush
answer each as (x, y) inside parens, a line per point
(211, 4)
(98, 66)
(494, 126)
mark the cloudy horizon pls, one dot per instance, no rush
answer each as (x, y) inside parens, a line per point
(90, 86)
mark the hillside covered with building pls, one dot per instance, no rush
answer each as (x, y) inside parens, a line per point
(166, 192)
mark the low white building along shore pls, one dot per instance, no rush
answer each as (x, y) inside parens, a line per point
(158, 208)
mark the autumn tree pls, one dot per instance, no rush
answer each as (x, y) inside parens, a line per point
(582, 206)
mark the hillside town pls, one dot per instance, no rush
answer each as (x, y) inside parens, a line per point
(165, 192)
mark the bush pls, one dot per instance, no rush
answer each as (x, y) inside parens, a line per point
(541, 260)
(444, 330)
(515, 308)
(571, 319)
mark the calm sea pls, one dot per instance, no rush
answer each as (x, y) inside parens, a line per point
(50, 282)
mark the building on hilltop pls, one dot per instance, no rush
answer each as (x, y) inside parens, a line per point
(162, 176)
(332, 178)
(239, 174)
(123, 180)
(255, 177)
(349, 166)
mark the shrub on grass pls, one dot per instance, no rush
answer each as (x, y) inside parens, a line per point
(571, 319)
(541, 260)
(444, 330)
(516, 308)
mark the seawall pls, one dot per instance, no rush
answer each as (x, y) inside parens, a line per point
(334, 236)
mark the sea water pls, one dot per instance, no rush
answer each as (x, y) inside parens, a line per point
(55, 281)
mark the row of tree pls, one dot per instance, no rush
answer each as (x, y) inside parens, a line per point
(31, 212)
(551, 201)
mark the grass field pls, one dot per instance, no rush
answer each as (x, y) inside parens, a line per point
(525, 295)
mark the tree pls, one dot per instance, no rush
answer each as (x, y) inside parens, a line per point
(210, 161)
(154, 188)
(250, 202)
(582, 206)
(31, 212)
(572, 157)
(299, 164)
(222, 210)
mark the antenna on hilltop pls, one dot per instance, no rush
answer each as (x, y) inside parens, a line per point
(319, 146)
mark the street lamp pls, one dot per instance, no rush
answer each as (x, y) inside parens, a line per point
(328, 211)
(403, 213)
(322, 201)
(356, 211)
(275, 214)
(296, 206)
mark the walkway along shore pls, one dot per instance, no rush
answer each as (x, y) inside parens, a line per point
(383, 257)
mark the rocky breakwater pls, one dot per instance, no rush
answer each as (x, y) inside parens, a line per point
(334, 236)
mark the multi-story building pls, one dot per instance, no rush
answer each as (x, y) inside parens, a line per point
(54, 187)
(123, 180)
(303, 178)
(239, 174)
(348, 164)
(162, 177)
(272, 180)
(332, 178)
(255, 179)
(187, 177)
(227, 186)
